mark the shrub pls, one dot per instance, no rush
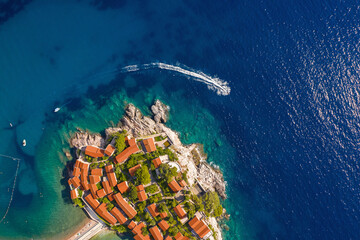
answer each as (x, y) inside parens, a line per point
(78, 202)
(173, 231)
(119, 228)
(145, 231)
(212, 203)
(132, 194)
(120, 141)
(142, 175)
(152, 188)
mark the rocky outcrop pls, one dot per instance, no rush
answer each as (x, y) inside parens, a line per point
(160, 111)
(83, 139)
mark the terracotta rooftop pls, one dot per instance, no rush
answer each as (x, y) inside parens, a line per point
(134, 169)
(163, 215)
(93, 189)
(101, 193)
(85, 185)
(126, 153)
(149, 144)
(102, 211)
(110, 196)
(140, 188)
(182, 183)
(179, 236)
(155, 232)
(153, 210)
(109, 150)
(199, 227)
(125, 206)
(75, 182)
(107, 187)
(141, 237)
(175, 187)
(92, 202)
(131, 225)
(97, 171)
(94, 179)
(137, 229)
(130, 142)
(180, 211)
(123, 186)
(163, 225)
(142, 196)
(118, 215)
(156, 162)
(73, 194)
(76, 171)
(168, 238)
(111, 175)
(77, 164)
(94, 151)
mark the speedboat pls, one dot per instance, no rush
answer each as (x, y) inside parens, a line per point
(24, 142)
(57, 109)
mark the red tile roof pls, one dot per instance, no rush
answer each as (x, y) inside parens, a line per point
(199, 227)
(133, 170)
(180, 211)
(141, 237)
(94, 151)
(163, 215)
(111, 175)
(182, 183)
(77, 164)
(101, 193)
(126, 153)
(168, 238)
(137, 229)
(163, 225)
(123, 186)
(94, 179)
(75, 182)
(130, 142)
(83, 177)
(110, 197)
(142, 196)
(118, 215)
(140, 188)
(84, 165)
(102, 211)
(125, 206)
(69, 182)
(85, 185)
(109, 150)
(153, 210)
(131, 225)
(93, 189)
(155, 232)
(97, 171)
(156, 162)
(179, 236)
(76, 171)
(107, 187)
(149, 144)
(73, 194)
(175, 187)
(92, 202)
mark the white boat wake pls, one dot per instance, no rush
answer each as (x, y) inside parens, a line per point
(216, 84)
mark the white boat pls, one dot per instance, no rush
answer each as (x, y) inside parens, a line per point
(24, 142)
(57, 109)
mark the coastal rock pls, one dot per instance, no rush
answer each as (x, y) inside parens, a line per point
(83, 139)
(110, 131)
(160, 111)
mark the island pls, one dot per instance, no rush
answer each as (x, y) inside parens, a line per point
(139, 178)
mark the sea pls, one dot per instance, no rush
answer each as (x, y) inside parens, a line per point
(271, 88)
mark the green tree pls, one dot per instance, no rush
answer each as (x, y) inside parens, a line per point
(167, 173)
(145, 231)
(142, 175)
(212, 203)
(120, 142)
(173, 231)
(120, 228)
(133, 194)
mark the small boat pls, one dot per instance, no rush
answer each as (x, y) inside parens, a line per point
(24, 142)
(57, 109)
(11, 125)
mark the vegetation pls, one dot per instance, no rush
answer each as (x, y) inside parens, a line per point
(167, 173)
(162, 207)
(152, 189)
(145, 231)
(212, 204)
(119, 228)
(142, 175)
(173, 231)
(133, 194)
(98, 185)
(93, 165)
(78, 202)
(199, 206)
(159, 138)
(155, 198)
(80, 192)
(120, 141)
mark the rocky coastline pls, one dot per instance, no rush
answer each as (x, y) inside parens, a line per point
(190, 157)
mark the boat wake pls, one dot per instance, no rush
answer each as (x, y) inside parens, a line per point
(216, 84)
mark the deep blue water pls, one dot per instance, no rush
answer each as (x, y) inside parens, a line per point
(292, 115)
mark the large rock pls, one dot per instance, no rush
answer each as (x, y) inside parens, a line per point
(83, 139)
(160, 111)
